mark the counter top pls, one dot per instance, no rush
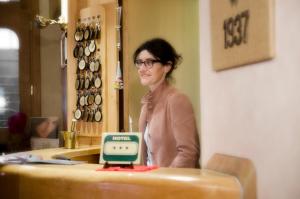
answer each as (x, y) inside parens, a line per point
(83, 181)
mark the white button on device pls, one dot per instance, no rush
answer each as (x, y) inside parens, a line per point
(121, 148)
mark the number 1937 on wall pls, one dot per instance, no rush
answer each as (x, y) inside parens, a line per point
(236, 29)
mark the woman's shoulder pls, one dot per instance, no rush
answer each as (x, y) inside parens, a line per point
(179, 106)
(175, 96)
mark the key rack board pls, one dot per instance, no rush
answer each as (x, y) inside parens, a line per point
(85, 14)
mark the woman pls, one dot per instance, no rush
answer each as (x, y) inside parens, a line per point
(167, 118)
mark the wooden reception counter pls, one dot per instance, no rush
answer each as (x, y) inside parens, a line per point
(83, 181)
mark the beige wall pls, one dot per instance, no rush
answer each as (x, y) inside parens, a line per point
(51, 83)
(51, 72)
(253, 111)
(177, 22)
(50, 8)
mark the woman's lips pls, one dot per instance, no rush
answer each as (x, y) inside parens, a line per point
(144, 76)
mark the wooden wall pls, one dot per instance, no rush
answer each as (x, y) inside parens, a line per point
(91, 131)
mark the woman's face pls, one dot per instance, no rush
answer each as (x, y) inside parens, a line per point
(151, 76)
(47, 127)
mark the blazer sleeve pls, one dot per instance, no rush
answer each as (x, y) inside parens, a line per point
(185, 132)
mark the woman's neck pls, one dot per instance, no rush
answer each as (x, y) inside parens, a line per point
(153, 87)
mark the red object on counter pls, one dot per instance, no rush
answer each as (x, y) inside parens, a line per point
(140, 168)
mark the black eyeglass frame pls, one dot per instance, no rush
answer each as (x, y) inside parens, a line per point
(148, 63)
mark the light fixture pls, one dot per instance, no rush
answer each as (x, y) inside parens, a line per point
(43, 22)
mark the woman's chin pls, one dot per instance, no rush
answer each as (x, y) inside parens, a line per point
(144, 82)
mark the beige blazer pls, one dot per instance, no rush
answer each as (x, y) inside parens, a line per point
(172, 128)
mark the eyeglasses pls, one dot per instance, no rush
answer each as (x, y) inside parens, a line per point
(148, 63)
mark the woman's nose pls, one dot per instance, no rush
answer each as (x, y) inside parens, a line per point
(142, 68)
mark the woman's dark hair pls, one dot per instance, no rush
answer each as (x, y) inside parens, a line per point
(161, 50)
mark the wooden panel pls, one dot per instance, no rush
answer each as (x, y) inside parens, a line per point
(242, 32)
(94, 129)
(90, 132)
(112, 107)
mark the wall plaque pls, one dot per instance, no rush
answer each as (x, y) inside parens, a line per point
(242, 32)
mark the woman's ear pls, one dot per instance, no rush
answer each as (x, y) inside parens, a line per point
(167, 68)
